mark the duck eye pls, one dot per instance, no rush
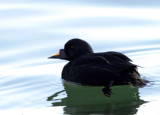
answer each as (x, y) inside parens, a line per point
(72, 47)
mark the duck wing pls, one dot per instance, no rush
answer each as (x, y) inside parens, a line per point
(119, 55)
(127, 71)
(118, 62)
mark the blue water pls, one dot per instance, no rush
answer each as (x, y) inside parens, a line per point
(33, 30)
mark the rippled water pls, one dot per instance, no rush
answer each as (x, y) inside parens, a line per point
(31, 31)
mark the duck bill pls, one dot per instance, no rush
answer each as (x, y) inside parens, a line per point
(60, 55)
(55, 56)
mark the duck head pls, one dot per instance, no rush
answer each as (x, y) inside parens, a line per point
(73, 49)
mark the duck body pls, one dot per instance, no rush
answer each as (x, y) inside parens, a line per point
(97, 69)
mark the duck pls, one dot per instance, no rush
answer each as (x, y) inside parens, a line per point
(97, 69)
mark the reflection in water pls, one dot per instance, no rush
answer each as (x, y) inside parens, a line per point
(90, 100)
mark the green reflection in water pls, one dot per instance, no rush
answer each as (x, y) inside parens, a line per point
(83, 100)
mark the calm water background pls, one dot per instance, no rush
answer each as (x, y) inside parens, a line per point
(32, 30)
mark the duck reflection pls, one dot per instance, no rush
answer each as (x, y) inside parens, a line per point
(90, 100)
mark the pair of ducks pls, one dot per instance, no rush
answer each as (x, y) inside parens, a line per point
(97, 69)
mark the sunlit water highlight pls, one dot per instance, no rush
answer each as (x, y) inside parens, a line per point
(32, 31)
